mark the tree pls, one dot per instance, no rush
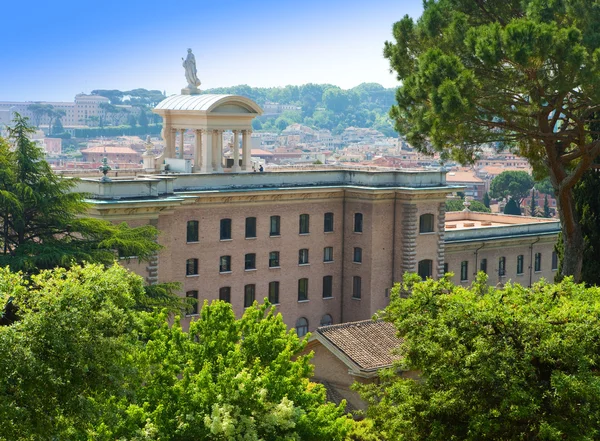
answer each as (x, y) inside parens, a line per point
(143, 118)
(516, 184)
(547, 212)
(486, 199)
(39, 110)
(506, 364)
(522, 73)
(512, 207)
(457, 205)
(82, 362)
(533, 205)
(41, 223)
(131, 120)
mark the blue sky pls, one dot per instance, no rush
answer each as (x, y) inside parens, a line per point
(52, 50)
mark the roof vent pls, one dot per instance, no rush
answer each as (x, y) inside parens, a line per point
(468, 224)
(486, 224)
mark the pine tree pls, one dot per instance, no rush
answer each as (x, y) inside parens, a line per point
(532, 207)
(512, 208)
(486, 199)
(547, 207)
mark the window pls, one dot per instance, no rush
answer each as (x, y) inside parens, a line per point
(249, 294)
(191, 267)
(225, 264)
(328, 254)
(192, 297)
(274, 259)
(328, 223)
(225, 294)
(302, 289)
(225, 229)
(502, 266)
(356, 287)
(274, 293)
(303, 256)
(445, 268)
(326, 320)
(304, 224)
(358, 222)
(192, 231)
(483, 265)
(519, 264)
(464, 271)
(327, 287)
(426, 223)
(250, 228)
(274, 226)
(250, 261)
(357, 255)
(301, 327)
(425, 268)
(554, 261)
(538, 262)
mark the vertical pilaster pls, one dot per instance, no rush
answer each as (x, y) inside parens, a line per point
(207, 162)
(219, 153)
(246, 149)
(236, 151)
(171, 143)
(198, 151)
(409, 237)
(441, 227)
(180, 152)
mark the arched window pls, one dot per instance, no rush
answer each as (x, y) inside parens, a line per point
(426, 223)
(302, 326)
(425, 268)
(326, 320)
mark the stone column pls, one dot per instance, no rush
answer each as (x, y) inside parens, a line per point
(441, 250)
(180, 153)
(198, 152)
(207, 158)
(217, 151)
(171, 143)
(409, 237)
(246, 162)
(236, 151)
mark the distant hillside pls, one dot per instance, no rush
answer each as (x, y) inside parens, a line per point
(323, 106)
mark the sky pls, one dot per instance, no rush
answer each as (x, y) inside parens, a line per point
(53, 50)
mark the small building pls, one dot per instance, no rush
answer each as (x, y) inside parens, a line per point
(121, 155)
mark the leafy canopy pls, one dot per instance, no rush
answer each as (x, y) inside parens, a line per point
(516, 184)
(505, 364)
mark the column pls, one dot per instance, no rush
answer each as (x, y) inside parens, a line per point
(171, 144)
(198, 152)
(236, 151)
(207, 158)
(246, 163)
(219, 158)
(180, 153)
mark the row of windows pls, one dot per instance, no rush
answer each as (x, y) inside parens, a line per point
(193, 234)
(191, 266)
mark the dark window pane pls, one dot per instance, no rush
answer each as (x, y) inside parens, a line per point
(192, 231)
(483, 265)
(250, 261)
(273, 259)
(358, 222)
(249, 294)
(191, 267)
(326, 320)
(302, 289)
(303, 256)
(357, 255)
(225, 264)
(520, 264)
(425, 268)
(328, 223)
(274, 229)
(356, 287)
(225, 229)
(464, 271)
(327, 287)
(192, 297)
(426, 223)
(328, 254)
(302, 327)
(250, 227)
(274, 293)
(304, 224)
(225, 294)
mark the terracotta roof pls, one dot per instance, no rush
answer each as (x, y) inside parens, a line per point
(367, 343)
(108, 149)
(462, 176)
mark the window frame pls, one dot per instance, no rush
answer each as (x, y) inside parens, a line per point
(323, 322)
(249, 265)
(502, 266)
(360, 255)
(429, 264)
(357, 287)
(196, 231)
(225, 228)
(328, 254)
(249, 295)
(520, 264)
(537, 265)
(250, 228)
(274, 259)
(328, 219)
(358, 222)
(554, 261)
(424, 221)
(327, 287)
(303, 289)
(273, 293)
(195, 309)
(303, 256)
(227, 267)
(483, 265)
(194, 263)
(304, 224)
(301, 327)
(275, 220)
(464, 271)
(225, 291)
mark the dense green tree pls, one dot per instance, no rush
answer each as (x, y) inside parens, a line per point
(81, 362)
(547, 212)
(486, 199)
(457, 205)
(506, 364)
(533, 205)
(545, 186)
(512, 207)
(143, 118)
(41, 223)
(39, 111)
(520, 72)
(131, 120)
(516, 184)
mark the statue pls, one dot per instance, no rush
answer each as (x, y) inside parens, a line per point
(189, 65)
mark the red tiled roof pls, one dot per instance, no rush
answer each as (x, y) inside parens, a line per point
(113, 150)
(367, 343)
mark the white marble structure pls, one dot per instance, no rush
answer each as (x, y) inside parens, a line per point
(208, 116)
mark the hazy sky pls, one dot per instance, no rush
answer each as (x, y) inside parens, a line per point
(52, 50)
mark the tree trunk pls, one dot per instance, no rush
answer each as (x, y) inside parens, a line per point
(572, 235)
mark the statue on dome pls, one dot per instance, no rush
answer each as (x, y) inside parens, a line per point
(191, 74)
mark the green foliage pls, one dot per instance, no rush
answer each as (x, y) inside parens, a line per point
(547, 212)
(82, 362)
(136, 97)
(499, 364)
(516, 184)
(486, 199)
(41, 223)
(512, 208)
(545, 186)
(94, 132)
(533, 205)
(457, 205)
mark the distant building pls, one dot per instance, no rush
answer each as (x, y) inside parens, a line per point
(474, 186)
(121, 155)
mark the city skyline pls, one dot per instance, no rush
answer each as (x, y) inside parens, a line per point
(64, 48)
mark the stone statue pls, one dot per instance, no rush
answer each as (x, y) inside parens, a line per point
(191, 76)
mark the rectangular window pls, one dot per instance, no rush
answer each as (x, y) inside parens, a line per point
(358, 222)
(426, 223)
(274, 259)
(192, 297)
(464, 271)
(274, 293)
(250, 261)
(303, 256)
(554, 261)
(274, 229)
(328, 223)
(538, 262)
(192, 231)
(357, 255)
(304, 224)
(520, 264)
(328, 254)
(502, 266)
(327, 287)
(445, 268)
(225, 229)
(356, 287)
(225, 294)
(302, 289)
(191, 267)
(225, 264)
(483, 265)
(250, 228)
(249, 295)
